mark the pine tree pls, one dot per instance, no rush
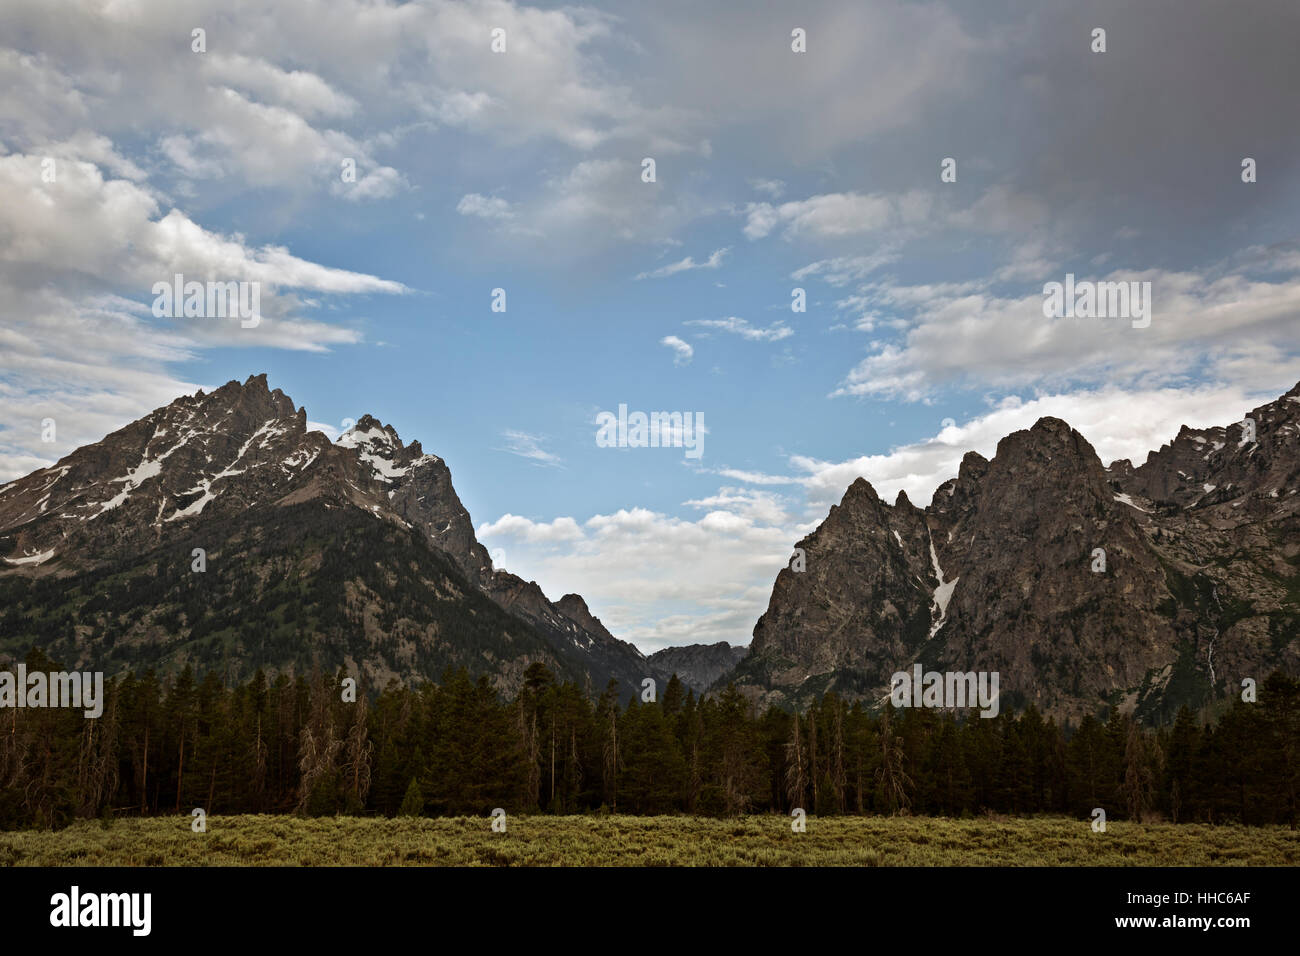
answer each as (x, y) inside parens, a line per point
(891, 775)
(413, 802)
(1280, 716)
(1179, 788)
(796, 766)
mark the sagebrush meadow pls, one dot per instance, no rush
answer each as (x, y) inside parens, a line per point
(616, 840)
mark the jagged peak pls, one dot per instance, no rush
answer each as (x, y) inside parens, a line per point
(1049, 433)
(973, 466)
(574, 607)
(368, 431)
(254, 389)
(859, 489)
(1051, 425)
(575, 601)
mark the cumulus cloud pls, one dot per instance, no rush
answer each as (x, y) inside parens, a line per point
(514, 526)
(247, 109)
(79, 257)
(112, 229)
(1119, 423)
(1228, 325)
(656, 579)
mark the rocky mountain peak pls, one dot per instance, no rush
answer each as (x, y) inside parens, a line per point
(860, 489)
(1048, 440)
(973, 467)
(573, 605)
(205, 461)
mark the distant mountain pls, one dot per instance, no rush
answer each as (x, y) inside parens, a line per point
(698, 666)
(1200, 587)
(355, 553)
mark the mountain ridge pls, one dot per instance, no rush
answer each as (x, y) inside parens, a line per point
(1084, 586)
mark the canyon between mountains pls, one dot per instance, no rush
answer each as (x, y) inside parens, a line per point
(1085, 587)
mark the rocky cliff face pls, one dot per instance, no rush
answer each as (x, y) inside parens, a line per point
(698, 666)
(1082, 586)
(206, 464)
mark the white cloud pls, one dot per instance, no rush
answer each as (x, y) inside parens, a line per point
(299, 90)
(269, 145)
(1119, 423)
(529, 446)
(999, 210)
(110, 229)
(685, 265)
(256, 108)
(508, 525)
(78, 260)
(1227, 326)
(773, 333)
(845, 269)
(485, 207)
(835, 215)
(589, 205)
(743, 504)
(683, 350)
(654, 579)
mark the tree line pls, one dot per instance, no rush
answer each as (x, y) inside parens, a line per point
(305, 745)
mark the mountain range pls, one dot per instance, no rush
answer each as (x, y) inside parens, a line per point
(1084, 587)
(219, 531)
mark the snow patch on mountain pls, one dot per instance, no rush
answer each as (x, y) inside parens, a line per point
(1126, 500)
(32, 558)
(942, 594)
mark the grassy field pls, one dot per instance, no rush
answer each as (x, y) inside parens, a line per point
(646, 841)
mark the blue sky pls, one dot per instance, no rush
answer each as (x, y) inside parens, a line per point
(774, 170)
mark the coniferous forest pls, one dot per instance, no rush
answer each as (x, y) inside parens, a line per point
(296, 745)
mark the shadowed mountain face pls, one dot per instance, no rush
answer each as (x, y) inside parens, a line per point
(1082, 586)
(355, 553)
(698, 665)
